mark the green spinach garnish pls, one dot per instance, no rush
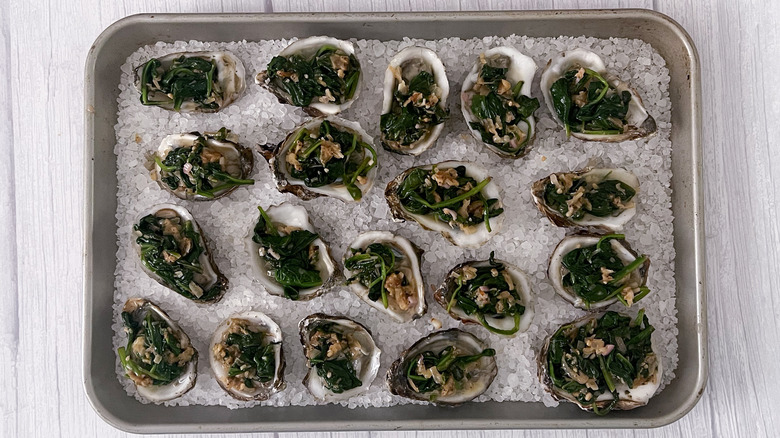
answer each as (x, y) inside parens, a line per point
(415, 111)
(328, 155)
(596, 273)
(291, 257)
(485, 291)
(450, 362)
(449, 195)
(252, 361)
(154, 355)
(592, 359)
(502, 111)
(199, 168)
(585, 102)
(171, 249)
(574, 197)
(190, 79)
(371, 266)
(336, 370)
(329, 76)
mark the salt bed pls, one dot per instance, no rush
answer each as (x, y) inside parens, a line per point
(527, 238)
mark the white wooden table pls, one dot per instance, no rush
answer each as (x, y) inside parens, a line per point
(43, 45)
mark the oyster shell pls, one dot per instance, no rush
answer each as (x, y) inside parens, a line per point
(464, 235)
(514, 290)
(308, 48)
(287, 219)
(476, 375)
(592, 179)
(153, 228)
(403, 69)
(638, 123)
(134, 314)
(279, 157)
(235, 161)
(227, 84)
(632, 286)
(222, 360)
(520, 69)
(642, 388)
(345, 340)
(405, 298)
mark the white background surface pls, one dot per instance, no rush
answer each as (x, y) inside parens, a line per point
(43, 46)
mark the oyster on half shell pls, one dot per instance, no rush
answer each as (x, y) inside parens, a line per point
(202, 167)
(282, 270)
(594, 271)
(172, 249)
(456, 198)
(618, 349)
(161, 371)
(383, 269)
(191, 81)
(341, 355)
(591, 103)
(246, 356)
(496, 101)
(448, 368)
(414, 105)
(602, 199)
(324, 157)
(320, 74)
(491, 292)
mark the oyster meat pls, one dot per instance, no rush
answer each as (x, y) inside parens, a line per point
(289, 258)
(457, 199)
(341, 356)
(496, 101)
(603, 199)
(247, 356)
(602, 362)
(319, 74)
(159, 357)
(448, 367)
(492, 293)
(593, 271)
(173, 251)
(324, 157)
(591, 103)
(383, 269)
(414, 106)
(202, 167)
(191, 81)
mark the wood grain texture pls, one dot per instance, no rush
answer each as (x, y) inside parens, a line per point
(42, 51)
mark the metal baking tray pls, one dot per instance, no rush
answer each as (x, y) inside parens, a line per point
(118, 41)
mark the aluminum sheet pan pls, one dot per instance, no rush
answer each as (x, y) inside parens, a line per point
(122, 38)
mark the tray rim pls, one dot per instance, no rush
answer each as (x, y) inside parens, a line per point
(694, 77)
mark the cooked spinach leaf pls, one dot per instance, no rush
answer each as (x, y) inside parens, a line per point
(154, 355)
(601, 198)
(190, 79)
(198, 168)
(328, 155)
(291, 257)
(483, 291)
(602, 353)
(502, 111)
(586, 103)
(171, 249)
(329, 76)
(449, 195)
(253, 359)
(450, 362)
(371, 266)
(336, 370)
(415, 111)
(596, 273)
